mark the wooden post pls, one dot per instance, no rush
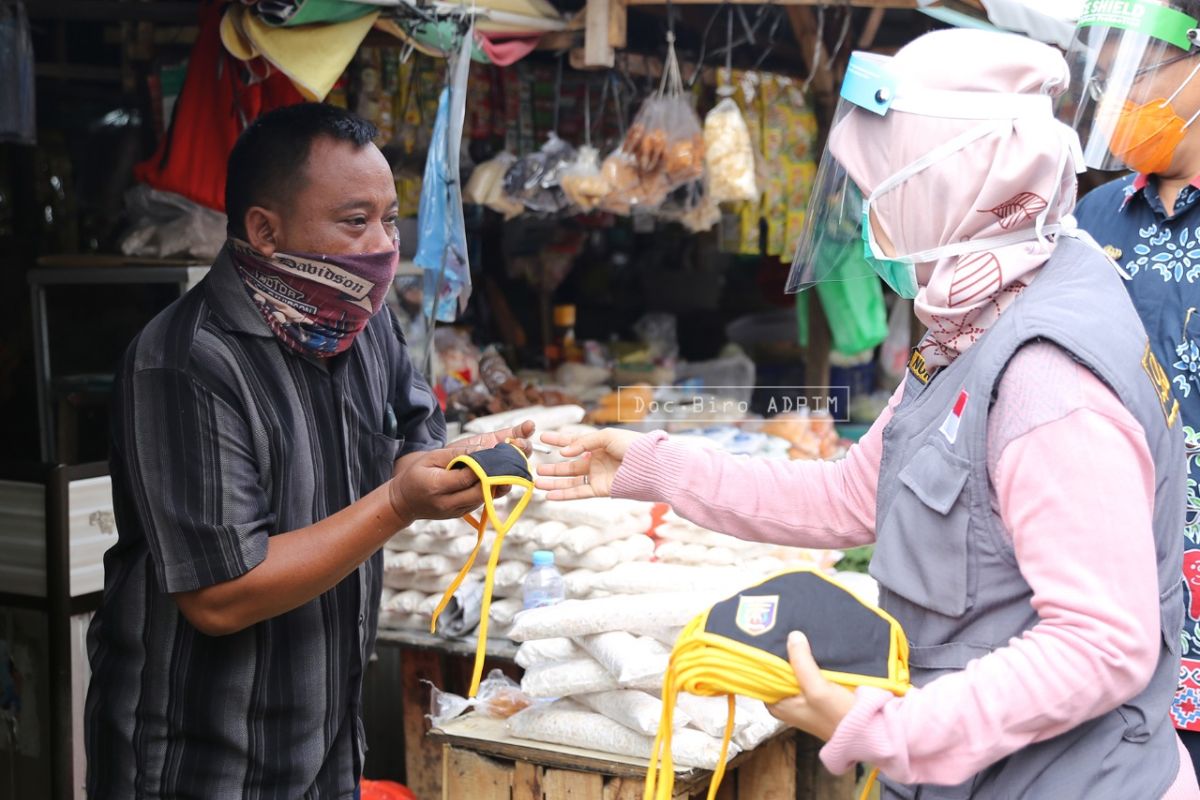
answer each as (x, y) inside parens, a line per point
(526, 781)
(771, 773)
(618, 17)
(423, 761)
(470, 776)
(816, 355)
(804, 28)
(624, 789)
(571, 785)
(871, 29)
(728, 790)
(597, 48)
(812, 779)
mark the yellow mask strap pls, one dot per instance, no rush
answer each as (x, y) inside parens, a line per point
(490, 482)
(869, 784)
(660, 774)
(479, 525)
(711, 665)
(502, 527)
(719, 773)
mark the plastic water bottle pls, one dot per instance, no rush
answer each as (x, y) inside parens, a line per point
(543, 585)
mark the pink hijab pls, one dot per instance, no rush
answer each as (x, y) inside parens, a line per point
(994, 186)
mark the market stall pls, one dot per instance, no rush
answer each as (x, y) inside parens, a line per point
(633, 574)
(599, 206)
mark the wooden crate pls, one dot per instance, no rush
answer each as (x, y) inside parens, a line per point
(479, 762)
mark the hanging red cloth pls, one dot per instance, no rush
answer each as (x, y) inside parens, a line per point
(219, 99)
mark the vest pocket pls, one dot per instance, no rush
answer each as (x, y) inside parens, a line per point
(898, 791)
(1134, 714)
(921, 551)
(949, 657)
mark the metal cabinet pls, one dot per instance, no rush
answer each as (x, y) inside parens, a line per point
(82, 271)
(55, 525)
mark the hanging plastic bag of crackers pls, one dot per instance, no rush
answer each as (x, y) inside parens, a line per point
(663, 149)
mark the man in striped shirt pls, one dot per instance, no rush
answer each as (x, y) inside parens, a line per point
(270, 434)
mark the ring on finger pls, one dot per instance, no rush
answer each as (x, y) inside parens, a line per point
(586, 480)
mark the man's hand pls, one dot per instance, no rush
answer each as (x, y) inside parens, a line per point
(518, 434)
(597, 457)
(422, 487)
(821, 704)
(302, 564)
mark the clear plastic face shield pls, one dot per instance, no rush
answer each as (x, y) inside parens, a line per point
(1129, 62)
(831, 245)
(840, 241)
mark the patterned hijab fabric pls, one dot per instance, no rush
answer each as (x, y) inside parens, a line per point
(997, 185)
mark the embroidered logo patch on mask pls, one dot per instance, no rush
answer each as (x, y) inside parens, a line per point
(756, 615)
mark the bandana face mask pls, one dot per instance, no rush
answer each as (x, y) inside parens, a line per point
(315, 304)
(503, 465)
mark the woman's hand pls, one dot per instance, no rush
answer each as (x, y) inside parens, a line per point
(821, 704)
(518, 434)
(596, 458)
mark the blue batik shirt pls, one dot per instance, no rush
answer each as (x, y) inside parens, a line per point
(1161, 253)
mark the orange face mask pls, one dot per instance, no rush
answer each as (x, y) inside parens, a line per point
(1145, 136)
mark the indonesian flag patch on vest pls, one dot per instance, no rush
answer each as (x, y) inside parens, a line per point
(949, 427)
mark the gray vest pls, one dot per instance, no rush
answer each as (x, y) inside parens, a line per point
(948, 572)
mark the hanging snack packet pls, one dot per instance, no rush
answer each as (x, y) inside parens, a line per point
(663, 149)
(581, 180)
(535, 179)
(628, 186)
(728, 153)
(486, 186)
(692, 206)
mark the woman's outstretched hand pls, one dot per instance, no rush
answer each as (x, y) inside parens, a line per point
(595, 458)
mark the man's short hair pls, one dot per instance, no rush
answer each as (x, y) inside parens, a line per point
(266, 166)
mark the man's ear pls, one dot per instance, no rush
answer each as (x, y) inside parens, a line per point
(262, 230)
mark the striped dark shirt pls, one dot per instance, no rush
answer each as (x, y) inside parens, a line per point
(222, 438)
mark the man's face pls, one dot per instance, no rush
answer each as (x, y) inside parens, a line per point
(1129, 80)
(1172, 72)
(346, 205)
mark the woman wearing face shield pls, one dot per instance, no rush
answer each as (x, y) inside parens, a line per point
(1024, 487)
(1135, 102)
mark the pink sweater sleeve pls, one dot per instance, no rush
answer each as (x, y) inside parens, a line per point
(824, 504)
(1076, 495)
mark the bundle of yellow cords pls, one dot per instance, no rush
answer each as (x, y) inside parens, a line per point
(516, 473)
(711, 665)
